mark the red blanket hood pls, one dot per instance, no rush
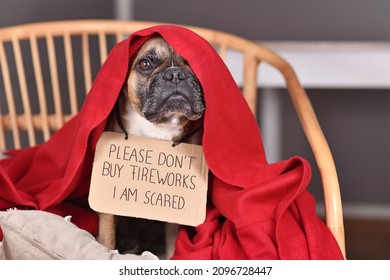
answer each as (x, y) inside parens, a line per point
(256, 210)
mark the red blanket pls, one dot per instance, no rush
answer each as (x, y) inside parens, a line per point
(256, 210)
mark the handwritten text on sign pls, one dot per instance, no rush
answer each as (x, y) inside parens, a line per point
(148, 178)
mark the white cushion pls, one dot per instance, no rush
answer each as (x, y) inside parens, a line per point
(39, 235)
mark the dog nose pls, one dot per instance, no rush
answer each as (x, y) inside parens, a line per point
(174, 74)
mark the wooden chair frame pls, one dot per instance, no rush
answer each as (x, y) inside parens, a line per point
(14, 121)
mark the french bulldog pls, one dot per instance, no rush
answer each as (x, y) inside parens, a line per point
(163, 99)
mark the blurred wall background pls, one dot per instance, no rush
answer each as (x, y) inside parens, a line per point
(356, 121)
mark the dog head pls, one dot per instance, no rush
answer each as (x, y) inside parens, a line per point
(162, 87)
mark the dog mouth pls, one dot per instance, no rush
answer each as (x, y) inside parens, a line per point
(173, 93)
(175, 103)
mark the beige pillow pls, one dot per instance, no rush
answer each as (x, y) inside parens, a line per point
(39, 235)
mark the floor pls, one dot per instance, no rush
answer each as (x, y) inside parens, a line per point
(367, 239)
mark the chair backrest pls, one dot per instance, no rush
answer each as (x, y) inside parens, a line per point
(48, 68)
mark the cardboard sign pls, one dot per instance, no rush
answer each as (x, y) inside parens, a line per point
(148, 178)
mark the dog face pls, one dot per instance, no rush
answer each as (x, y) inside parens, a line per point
(162, 87)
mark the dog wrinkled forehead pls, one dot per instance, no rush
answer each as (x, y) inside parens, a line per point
(158, 45)
(156, 48)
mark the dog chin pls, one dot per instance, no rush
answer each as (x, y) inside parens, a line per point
(173, 115)
(171, 118)
(176, 119)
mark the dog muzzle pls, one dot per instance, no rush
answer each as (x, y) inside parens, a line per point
(174, 91)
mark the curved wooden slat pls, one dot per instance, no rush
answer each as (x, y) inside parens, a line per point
(23, 91)
(10, 98)
(36, 120)
(250, 81)
(55, 84)
(86, 62)
(70, 73)
(40, 88)
(102, 47)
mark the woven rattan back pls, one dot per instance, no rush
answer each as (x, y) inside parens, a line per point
(47, 69)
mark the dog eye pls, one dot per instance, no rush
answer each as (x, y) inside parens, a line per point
(145, 65)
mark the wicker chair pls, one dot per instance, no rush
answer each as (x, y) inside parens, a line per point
(47, 68)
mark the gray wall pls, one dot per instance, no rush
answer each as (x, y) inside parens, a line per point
(23, 11)
(351, 20)
(356, 122)
(278, 19)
